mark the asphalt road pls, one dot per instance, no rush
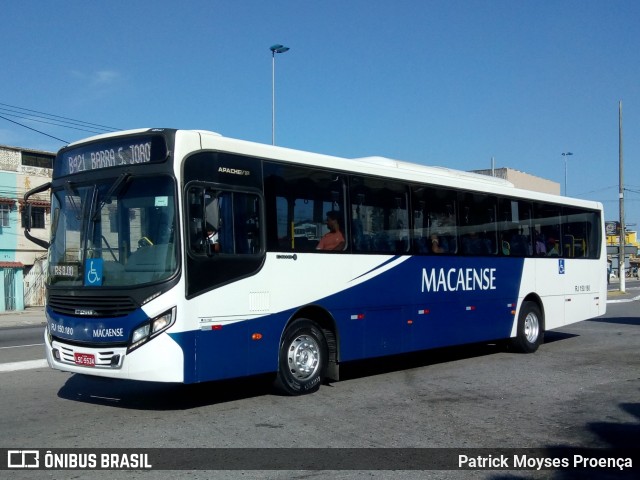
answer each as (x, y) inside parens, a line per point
(580, 389)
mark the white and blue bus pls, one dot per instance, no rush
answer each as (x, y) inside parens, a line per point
(185, 256)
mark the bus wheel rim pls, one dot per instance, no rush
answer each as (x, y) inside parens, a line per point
(531, 327)
(303, 357)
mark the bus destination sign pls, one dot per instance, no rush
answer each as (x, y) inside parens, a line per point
(122, 152)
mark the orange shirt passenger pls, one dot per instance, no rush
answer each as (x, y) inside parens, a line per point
(334, 239)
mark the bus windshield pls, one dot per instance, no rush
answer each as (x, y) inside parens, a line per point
(117, 232)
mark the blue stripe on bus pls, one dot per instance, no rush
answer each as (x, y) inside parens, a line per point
(377, 267)
(424, 302)
(94, 330)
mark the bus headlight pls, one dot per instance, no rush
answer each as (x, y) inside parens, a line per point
(162, 322)
(140, 334)
(150, 329)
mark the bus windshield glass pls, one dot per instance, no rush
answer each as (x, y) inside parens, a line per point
(118, 232)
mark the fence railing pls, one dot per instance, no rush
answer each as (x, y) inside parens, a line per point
(34, 284)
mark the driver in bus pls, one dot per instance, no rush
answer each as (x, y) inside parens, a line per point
(333, 239)
(212, 238)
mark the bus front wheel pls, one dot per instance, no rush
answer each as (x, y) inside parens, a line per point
(302, 358)
(530, 329)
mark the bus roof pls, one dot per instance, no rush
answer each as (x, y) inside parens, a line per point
(373, 165)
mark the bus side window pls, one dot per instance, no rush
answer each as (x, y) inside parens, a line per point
(297, 201)
(477, 222)
(434, 220)
(380, 216)
(514, 225)
(547, 225)
(578, 232)
(195, 219)
(224, 222)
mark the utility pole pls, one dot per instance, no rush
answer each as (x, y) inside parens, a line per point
(621, 253)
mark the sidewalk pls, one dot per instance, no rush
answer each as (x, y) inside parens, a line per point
(29, 317)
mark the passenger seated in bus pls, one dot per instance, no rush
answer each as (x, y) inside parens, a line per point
(541, 249)
(333, 239)
(435, 244)
(472, 244)
(553, 251)
(506, 247)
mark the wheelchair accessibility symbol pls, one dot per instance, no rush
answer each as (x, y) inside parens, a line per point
(93, 272)
(561, 266)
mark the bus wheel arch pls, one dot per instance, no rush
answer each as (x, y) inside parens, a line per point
(307, 353)
(530, 327)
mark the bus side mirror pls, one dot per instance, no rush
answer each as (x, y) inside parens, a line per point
(26, 215)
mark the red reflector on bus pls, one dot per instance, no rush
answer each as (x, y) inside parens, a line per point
(216, 327)
(409, 322)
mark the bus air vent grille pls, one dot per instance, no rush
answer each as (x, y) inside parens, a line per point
(92, 306)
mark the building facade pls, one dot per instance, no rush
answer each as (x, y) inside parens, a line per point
(523, 180)
(22, 263)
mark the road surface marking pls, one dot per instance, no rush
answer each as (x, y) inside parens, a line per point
(28, 365)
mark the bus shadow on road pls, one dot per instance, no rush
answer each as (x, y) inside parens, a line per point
(131, 394)
(555, 336)
(425, 358)
(617, 320)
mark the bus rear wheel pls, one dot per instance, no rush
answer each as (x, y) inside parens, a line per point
(530, 329)
(302, 358)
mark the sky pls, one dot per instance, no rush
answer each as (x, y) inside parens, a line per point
(453, 83)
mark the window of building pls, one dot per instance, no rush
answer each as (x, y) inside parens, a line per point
(39, 160)
(37, 217)
(5, 212)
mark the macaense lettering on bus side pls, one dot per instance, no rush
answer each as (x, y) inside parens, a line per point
(458, 279)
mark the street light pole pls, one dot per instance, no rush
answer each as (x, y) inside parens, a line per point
(274, 49)
(622, 256)
(565, 154)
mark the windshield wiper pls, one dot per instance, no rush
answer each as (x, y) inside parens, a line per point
(71, 194)
(115, 187)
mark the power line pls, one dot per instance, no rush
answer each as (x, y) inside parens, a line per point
(50, 119)
(17, 123)
(52, 116)
(52, 122)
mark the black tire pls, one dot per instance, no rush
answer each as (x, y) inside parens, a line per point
(302, 358)
(530, 333)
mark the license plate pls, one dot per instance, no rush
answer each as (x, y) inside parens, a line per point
(85, 359)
